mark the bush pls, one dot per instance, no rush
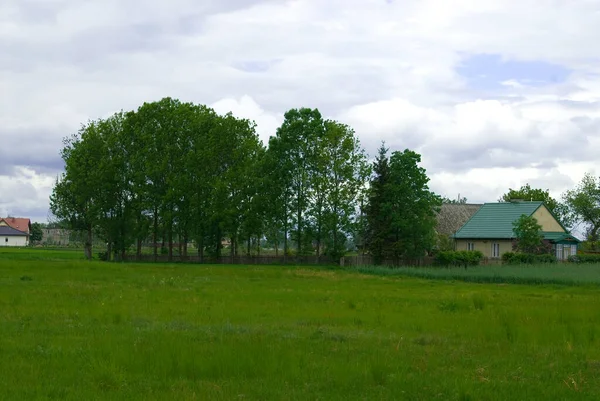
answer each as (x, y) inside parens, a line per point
(512, 258)
(545, 258)
(458, 258)
(585, 258)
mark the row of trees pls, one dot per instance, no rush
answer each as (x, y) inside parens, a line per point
(173, 173)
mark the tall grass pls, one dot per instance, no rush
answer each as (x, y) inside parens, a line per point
(566, 274)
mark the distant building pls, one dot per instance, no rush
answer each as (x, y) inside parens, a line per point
(14, 231)
(490, 229)
(55, 236)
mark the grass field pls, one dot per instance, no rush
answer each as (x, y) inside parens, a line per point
(77, 330)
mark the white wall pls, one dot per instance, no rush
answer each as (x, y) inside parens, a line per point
(13, 241)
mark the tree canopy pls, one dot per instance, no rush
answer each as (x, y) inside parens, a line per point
(528, 233)
(527, 193)
(171, 173)
(583, 204)
(401, 214)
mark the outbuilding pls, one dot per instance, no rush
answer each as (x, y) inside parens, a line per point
(11, 237)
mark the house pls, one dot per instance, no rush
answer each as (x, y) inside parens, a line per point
(490, 229)
(14, 231)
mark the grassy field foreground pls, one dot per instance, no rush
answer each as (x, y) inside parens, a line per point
(74, 330)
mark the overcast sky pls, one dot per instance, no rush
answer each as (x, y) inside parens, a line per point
(492, 93)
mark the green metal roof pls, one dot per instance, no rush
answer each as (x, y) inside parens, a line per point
(494, 220)
(558, 237)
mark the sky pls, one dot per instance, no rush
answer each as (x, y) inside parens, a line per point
(493, 94)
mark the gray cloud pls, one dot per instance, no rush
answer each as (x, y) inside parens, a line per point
(388, 70)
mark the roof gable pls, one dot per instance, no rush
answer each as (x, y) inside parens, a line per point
(494, 220)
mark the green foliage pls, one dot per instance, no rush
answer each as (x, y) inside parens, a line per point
(458, 258)
(457, 201)
(518, 258)
(378, 225)
(316, 170)
(401, 214)
(445, 242)
(583, 204)
(527, 193)
(585, 258)
(36, 234)
(528, 233)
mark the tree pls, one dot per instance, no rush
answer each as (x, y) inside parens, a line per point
(378, 227)
(583, 204)
(339, 176)
(457, 201)
(36, 233)
(76, 196)
(528, 233)
(298, 139)
(527, 193)
(412, 207)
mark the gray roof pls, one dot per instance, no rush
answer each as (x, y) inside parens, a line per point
(452, 216)
(6, 231)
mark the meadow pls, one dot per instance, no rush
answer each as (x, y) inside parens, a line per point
(73, 329)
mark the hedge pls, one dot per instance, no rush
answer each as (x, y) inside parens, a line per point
(512, 258)
(585, 258)
(458, 258)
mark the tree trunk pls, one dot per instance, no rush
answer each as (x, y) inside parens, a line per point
(200, 245)
(170, 235)
(155, 235)
(138, 252)
(299, 245)
(88, 244)
(108, 251)
(248, 247)
(185, 246)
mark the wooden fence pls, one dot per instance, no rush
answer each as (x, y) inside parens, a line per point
(234, 260)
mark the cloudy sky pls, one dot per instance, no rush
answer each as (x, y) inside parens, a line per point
(492, 93)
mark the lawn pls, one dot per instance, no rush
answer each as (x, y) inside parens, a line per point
(77, 330)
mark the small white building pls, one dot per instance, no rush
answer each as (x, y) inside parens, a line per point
(11, 237)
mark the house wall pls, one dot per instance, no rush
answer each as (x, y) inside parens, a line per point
(13, 241)
(547, 221)
(485, 246)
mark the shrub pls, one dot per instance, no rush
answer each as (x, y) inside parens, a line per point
(545, 258)
(458, 258)
(585, 258)
(512, 258)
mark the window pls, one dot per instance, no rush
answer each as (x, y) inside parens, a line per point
(495, 250)
(573, 249)
(559, 251)
(470, 246)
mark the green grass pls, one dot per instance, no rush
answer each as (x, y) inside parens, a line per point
(74, 330)
(563, 274)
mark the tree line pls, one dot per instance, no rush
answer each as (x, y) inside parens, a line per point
(172, 173)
